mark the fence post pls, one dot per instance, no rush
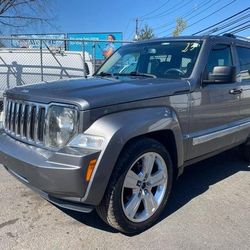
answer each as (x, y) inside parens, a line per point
(84, 59)
(41, 58)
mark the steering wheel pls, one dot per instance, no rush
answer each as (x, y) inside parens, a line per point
(181, 72)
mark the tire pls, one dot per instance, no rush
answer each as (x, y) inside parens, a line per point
(245, 151)
(125, 190)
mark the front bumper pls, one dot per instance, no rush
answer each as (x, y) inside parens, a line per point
(57, 176)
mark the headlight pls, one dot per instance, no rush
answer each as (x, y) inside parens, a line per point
(61, 126)
(2, 114)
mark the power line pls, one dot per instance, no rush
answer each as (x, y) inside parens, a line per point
(203, 4)
(226, 25)
(170, 10)
(155, 10)
(240, 29)
(232, 28)
(224, 20)
(195, 15)
(210, 14)
(127, 26)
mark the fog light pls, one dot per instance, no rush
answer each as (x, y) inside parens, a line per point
(87, 141)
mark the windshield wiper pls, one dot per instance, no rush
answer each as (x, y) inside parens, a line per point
(105, 74)
(134, 73)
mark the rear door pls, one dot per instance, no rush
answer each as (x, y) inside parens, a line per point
(244, 78)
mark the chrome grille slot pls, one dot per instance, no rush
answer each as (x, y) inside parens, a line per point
(12, 116)
(25, 120)
(41, 121)
(22, 120)
(7, 113)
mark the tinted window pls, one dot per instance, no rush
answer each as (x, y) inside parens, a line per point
(173, 59)
(220, 55)
(244, 58)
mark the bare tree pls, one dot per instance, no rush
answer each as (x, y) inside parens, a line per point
(181, 25)
(20, 14)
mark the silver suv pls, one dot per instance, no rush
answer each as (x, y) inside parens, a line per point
(118, 141)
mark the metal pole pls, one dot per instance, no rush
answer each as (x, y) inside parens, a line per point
(41, 58)
(95, 56)
(84, 59)
(51, 52)
(136, 28)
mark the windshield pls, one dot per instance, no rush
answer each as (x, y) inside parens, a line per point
(173, 60)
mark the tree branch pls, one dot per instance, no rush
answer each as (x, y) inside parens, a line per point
(21, 13)
(8, 4)
(23, 17)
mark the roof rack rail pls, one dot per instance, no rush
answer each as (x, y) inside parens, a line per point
(237, 37)
(229, 35)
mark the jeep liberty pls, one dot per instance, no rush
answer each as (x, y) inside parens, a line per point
(117, 142)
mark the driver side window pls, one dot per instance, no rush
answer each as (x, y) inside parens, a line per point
(220, 55)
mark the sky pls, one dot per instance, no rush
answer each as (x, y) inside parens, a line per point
(115, 15)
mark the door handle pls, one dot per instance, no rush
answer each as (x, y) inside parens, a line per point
(235, 91)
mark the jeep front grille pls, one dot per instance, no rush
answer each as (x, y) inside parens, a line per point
(25, 120)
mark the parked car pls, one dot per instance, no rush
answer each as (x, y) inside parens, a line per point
(118, 141)
(20, 67)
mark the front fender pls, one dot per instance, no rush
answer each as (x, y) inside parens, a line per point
(118, 129)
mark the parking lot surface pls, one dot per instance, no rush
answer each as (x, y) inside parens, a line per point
(209, 209)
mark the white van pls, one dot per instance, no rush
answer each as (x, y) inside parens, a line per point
(28, 66)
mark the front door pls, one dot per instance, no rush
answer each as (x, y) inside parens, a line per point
(215, 108)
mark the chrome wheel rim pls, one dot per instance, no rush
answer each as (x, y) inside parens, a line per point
(144, 187)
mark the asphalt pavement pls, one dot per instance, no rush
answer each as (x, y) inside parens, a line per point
(209, 209)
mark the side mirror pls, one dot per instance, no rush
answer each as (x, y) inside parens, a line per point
(222, 74)
(86, 69)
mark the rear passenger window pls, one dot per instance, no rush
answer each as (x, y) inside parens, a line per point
(244, 58)
(220, 55)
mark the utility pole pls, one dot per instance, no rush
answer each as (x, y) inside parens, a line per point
(136, 28)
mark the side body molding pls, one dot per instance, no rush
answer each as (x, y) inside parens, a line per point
(118, 129)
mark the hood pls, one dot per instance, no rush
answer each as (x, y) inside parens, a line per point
(98, 92)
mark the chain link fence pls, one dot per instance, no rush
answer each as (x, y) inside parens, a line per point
(31, 60)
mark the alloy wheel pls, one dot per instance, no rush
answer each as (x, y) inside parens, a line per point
(144, 187)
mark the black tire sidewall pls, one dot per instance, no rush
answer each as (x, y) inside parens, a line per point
(124, 164)
(245, 151)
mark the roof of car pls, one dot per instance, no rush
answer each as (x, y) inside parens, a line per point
(224, 38)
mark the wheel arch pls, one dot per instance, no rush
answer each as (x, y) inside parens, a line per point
(121, 129)
(166, 138)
